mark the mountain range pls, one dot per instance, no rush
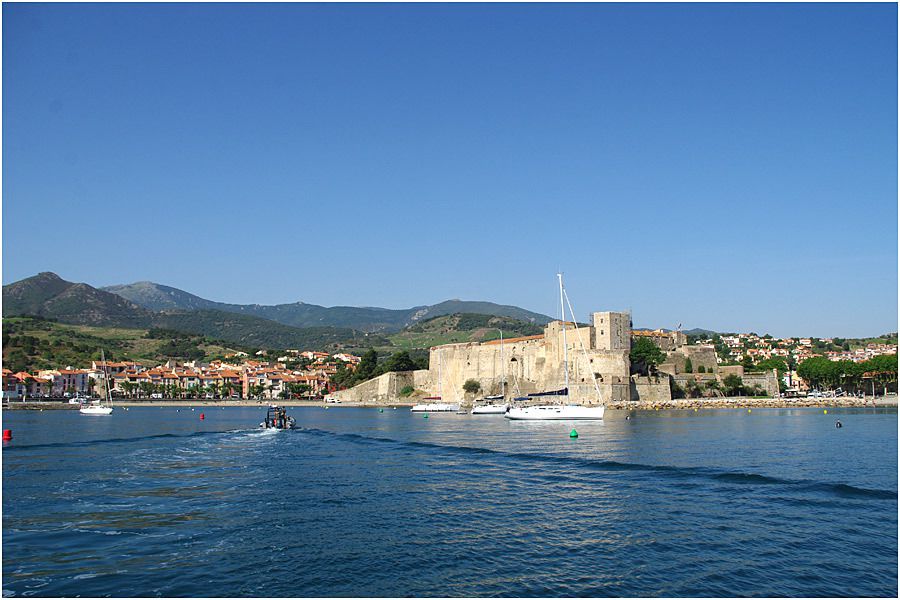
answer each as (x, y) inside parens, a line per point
(148, 305)
(157, 297)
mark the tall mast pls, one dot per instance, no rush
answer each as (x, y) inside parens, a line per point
(106, 395)
(440, 377)
(562, 315)
(503, 362)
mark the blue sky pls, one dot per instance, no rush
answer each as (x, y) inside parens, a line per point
(732, 167)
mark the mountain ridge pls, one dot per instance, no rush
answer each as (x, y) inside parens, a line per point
(156, 296)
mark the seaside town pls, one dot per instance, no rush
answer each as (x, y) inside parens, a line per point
(296, 374)
(309, 375)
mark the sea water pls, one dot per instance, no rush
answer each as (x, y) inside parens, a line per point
(156, 502)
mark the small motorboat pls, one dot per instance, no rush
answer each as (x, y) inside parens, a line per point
(277, 418)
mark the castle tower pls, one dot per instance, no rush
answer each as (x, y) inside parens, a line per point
(612, 331)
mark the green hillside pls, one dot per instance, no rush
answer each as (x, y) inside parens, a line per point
(31, 344)
(459, 328)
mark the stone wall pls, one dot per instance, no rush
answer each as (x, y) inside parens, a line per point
(676, 360)
(385, 388)
(655, 388)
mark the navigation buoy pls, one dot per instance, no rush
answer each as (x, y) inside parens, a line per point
(749, 410)
(7, 434)
(838, 424)
(380, 410)
(573, 434)
(825, 412)
(425, 416)
(202, 416)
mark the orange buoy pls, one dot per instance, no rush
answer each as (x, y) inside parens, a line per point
(7, 434)
(202, 416)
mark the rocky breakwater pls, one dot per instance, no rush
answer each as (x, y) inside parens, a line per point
(745, 402)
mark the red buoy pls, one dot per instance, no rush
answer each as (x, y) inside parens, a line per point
(202, 416)
(7, 434)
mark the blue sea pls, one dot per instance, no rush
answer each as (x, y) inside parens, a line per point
(156, 502)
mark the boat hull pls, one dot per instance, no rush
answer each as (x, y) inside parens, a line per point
(556, 413)
(436, 407)
(490, 409)
(96, 410)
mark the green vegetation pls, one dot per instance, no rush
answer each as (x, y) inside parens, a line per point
(471, 386)
(370, 367)
(460, 328)
(645, 356)
(822, 373)
(406, 391)
(688, 365)
(31, 344)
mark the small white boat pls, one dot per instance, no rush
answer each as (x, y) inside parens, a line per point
(435, 406)
(561, 412)
(96, 407)
(492, 408)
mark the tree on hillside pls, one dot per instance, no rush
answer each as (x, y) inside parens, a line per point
(688, 365)
(367, 366)
(772, 363)
(399, 361)
(645, 355)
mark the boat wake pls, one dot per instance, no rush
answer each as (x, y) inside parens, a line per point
(673, 472)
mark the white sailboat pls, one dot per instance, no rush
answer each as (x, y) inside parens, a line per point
(561, 411)
(96, 407)
(496, 405)
(436, 405)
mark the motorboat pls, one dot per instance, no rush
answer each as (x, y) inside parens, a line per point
(277, 418)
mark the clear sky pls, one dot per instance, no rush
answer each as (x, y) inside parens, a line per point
(732, 167)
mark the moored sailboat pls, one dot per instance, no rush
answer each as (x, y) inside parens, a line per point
(96, 407)
(496, 405)
(562, 410)
(436, 405)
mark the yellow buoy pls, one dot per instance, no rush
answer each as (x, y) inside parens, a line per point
(749, 410)
(825, 411)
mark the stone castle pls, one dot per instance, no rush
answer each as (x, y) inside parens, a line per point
(598, 359)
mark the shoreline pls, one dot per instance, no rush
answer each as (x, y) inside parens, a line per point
(680, 404)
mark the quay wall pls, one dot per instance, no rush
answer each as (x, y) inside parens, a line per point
(650, 389)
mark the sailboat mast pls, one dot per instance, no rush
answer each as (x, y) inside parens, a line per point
(562, 316)
(106, 395)
(503, 362)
